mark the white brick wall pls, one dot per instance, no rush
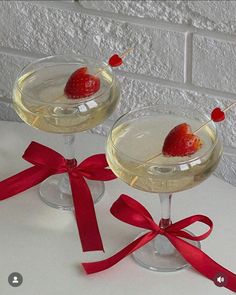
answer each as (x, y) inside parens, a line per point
(185, 51)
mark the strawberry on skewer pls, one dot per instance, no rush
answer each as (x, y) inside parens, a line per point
(181, 142)
(81, 84)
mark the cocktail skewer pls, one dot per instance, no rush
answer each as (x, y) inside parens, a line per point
(114, 61)
(197, 130)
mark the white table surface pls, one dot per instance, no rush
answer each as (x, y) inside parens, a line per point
(42, 243)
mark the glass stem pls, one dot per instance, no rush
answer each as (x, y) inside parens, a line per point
(165, 199)
(69, 154)
(162, 245)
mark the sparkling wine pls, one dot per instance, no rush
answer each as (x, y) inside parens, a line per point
(39, 100)
(133, 142)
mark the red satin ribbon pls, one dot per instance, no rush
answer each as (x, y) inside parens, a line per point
(47, 162)
(130, 211)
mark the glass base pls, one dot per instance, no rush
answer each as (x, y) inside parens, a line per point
(55, 191)
(160, 255)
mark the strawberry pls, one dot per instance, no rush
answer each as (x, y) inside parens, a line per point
(81, 84)
(181, 142)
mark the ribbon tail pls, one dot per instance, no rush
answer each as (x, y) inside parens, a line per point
(22, 181)
(202, 262)
(92, 267)
(85, 215)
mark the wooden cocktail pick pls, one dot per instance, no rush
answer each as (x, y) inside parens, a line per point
(217, 115)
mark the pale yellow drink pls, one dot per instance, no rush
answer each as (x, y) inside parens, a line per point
(131, 143)
(39, 100)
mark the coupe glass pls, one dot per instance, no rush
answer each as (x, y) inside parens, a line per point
(39, 100)
(134, 154)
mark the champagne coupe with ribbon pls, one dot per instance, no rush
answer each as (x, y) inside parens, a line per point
(40, 99)
(134, 153)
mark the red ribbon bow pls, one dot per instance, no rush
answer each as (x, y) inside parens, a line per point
(132, 212)
(47, 162)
